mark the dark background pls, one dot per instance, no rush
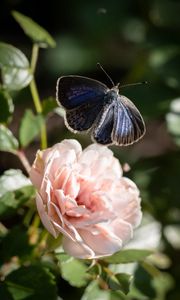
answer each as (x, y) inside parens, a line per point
(134, 40)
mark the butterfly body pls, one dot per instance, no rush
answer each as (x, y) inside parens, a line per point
(91, 106)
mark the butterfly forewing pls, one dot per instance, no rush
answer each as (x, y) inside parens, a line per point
(128, 124)
(83, 117)
(73, 91)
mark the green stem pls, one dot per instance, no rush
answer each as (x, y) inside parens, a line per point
(35, 52)
(35, 95)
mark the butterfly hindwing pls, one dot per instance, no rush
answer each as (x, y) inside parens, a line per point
(73, 91)
(128, 124)
(104, 125)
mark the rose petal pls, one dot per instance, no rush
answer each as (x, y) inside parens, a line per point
(83, 195)
(101, 240)
(78, 250)
(44, 216)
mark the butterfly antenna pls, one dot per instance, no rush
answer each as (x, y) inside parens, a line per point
(99, 65)
(130, 84)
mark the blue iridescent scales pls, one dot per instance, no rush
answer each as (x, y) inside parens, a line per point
(91, 106)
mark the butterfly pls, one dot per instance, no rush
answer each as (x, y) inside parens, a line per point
(91, 106)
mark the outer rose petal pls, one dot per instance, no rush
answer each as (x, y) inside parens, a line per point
(44, 216)
(79, 250)
(83, 195)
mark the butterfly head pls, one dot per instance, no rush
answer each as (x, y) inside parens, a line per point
(115, 90)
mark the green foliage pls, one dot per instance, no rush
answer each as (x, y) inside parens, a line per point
(11, 180)
(19, 241)
(11, 201)
(127, 256)
(30, 127)
(32, 283)
(173, 120)
(7, 140)
(7, 107)
(143, 281)
(73, 270)
(120, 281)
(38, 34)
(94, 292)
(48, 105)
(15, 190)
(15, 69)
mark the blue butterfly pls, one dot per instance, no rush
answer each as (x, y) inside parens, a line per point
(91, 106)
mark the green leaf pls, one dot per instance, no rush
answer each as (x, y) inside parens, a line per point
(127, 256)
(18, 238)
(93, 292)
(143, 281)
(34, 31)
(173, 120)
(12, 180)
(52, 243)
(30, 127)
(163, 283)
(74, 271)
(7, 140)
(15, 69)
(11, 201)
(19, 292)
(15, 190)
(120, 281)
(63, 257)
(34, 282)
(7, 107)
(48, 105)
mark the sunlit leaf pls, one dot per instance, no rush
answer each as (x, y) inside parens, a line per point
(15, 69)
(74, 271)
(37, 33)
(7, 107)
(7, 140)
(30, 127)
(94, 292)
(127, 256)
(12, 180)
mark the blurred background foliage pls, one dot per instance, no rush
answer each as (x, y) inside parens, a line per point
(134, 40)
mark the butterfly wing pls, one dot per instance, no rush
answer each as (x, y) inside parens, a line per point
(128, 123)
(73, 91)
(102, 132)
(83, 117)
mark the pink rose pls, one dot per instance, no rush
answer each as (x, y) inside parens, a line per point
(83, 195)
